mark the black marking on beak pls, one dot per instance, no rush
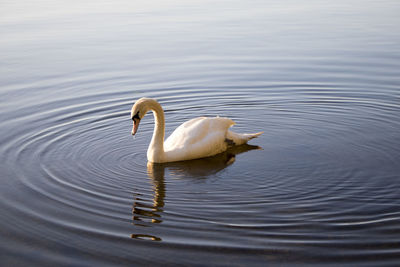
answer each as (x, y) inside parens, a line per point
(136, 116)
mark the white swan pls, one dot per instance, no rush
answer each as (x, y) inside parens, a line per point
(197, 138)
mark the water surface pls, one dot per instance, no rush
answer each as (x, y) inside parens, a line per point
(321, 185)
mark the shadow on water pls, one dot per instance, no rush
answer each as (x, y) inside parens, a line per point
(145, 214)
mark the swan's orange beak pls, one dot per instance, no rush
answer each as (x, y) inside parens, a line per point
(135, 126)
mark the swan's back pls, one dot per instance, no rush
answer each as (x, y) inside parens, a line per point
(199, 137)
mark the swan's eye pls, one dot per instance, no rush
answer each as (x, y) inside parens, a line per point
(136, 116)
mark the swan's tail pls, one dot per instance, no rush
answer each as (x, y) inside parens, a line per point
(240, 139)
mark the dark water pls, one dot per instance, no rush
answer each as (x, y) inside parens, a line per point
(321, 185)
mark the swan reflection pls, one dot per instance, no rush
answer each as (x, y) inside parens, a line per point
(146, 214)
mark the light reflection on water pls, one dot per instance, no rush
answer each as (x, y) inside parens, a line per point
(143, 213)
(322, 80)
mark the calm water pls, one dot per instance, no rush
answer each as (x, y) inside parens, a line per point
(321, 185)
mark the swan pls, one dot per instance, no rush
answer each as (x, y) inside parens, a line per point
(197, 138)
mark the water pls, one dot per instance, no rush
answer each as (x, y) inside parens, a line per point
(321, 185)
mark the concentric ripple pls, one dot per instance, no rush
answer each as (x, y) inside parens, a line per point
(324, 180)
(321, 185)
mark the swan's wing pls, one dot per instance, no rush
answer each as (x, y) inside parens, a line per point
(197, 130)
(199, 137)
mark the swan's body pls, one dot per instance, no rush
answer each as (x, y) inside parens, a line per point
(197, 138)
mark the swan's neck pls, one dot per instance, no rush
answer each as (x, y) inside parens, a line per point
(155, 152)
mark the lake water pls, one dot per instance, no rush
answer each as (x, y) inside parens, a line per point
(320, 186)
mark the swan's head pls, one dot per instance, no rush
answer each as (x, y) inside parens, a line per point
(139, 109)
